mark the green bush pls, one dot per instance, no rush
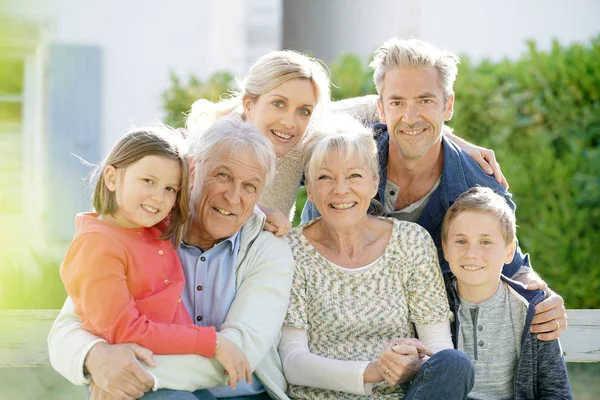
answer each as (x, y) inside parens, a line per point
(178, 99)
(31, 282)
(350, 77)
(541, 115)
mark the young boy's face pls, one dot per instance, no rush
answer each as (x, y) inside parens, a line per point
(476, 251)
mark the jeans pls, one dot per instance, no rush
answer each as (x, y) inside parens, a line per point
(448, 374)
(165, 394)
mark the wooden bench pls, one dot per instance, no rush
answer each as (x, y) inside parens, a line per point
(23, 337)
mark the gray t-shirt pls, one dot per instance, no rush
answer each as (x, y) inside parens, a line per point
(492, 341)
(413, 212)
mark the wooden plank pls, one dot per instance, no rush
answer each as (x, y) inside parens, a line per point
(581, 341)
(23, 337)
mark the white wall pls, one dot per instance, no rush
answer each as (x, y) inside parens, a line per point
(142, 40)
(481, 29)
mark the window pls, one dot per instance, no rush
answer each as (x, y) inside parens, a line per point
(12, 72)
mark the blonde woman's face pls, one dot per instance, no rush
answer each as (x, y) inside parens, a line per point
(283, 113)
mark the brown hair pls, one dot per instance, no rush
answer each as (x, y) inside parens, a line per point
(484, 200)
(132, 147)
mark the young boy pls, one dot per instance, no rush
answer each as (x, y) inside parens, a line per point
(493, 313)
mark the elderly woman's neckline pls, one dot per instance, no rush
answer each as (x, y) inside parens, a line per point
(355, 249)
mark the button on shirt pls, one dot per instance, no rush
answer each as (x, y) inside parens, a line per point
(488, 337)
(209, 291)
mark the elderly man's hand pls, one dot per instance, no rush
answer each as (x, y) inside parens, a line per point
(116, 371)
(550, 319)
(401, 359)
(98, 394)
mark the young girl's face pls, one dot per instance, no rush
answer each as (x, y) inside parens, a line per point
(283, 113)
(145, 191)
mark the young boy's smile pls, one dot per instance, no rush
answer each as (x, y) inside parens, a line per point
(476, 252)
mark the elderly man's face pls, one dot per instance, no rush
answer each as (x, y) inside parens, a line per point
(224, 194)
(412, 105)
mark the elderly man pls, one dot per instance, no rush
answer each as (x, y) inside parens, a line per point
(238, 279)
(422, 171)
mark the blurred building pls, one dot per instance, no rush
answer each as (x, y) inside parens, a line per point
(74, 75)
(481, 29)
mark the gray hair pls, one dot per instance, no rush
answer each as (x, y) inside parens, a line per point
(413, 53)
(339, 131)
(269, 71)
(234, 134)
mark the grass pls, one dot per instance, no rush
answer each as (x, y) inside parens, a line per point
(31, 281)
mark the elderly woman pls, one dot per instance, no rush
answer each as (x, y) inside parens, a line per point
(362, 286)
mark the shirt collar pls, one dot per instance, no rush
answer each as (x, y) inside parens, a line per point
(231, 239)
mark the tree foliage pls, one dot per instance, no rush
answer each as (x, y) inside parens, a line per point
(541, 114)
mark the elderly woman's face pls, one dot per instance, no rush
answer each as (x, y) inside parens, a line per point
(342, 188)
(283, 113)
(224, 194)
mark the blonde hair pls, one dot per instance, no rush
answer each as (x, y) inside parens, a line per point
(343, 132)
(483, 200)
(132, 147)
(412, 53)
(269, 71)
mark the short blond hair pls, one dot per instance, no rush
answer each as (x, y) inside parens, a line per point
(483, 200)
(343, 132)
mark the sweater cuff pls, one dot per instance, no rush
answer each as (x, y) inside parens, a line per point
(84, 378)
(155, 387)
(365, 388)
(206, 342)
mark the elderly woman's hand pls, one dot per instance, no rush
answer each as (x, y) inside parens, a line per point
(401, 359)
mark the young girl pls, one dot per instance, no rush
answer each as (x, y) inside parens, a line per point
(122, 270)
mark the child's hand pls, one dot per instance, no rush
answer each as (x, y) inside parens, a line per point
(233, 360)
(276, 222)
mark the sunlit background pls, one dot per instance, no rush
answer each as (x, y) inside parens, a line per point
(75, 75)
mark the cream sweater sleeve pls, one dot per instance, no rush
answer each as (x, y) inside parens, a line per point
(436, 337)
(301, 367)
(363, 108)
(68, 345)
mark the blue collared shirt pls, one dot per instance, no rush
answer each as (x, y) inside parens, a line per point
(460, 172)
(208, 294)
